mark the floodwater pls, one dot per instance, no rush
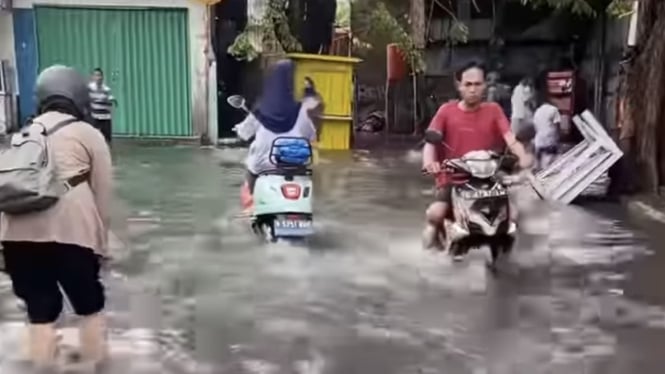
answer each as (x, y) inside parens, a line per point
(192, 291)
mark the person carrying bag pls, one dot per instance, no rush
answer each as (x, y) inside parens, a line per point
(55, 192)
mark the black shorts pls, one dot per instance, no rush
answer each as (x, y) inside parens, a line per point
(443, 194)
(39, 270)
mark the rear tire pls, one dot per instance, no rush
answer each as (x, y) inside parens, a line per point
(268, 233)
(264, 230)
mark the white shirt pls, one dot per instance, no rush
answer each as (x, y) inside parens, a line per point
(546, 121)
(521, 95)
(101, 101)
(258, 158)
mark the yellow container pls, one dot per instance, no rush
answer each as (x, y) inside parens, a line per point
(333, 77)
(335, 133)
(315, 153)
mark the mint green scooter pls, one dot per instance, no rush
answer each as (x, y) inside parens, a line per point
(283, 195)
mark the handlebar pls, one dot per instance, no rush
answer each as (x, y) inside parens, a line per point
(506, 172)
(507, 179)
(444, 167)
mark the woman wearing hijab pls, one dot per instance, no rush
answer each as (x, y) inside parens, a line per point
(57, 252)
(278, 114)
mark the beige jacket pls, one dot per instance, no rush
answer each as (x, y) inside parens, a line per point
(81, 216)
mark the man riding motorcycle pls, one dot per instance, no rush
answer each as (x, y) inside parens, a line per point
(469, 124)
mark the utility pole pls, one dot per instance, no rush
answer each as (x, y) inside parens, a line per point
(419, 37)
(418, 24)
(208, 131)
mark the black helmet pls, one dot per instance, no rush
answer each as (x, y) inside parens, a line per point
(60, 83)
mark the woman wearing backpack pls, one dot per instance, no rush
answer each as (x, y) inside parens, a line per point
(60, 246)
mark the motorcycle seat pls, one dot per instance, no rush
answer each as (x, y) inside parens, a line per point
(292, 171)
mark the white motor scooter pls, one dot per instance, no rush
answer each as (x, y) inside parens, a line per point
(282, 197)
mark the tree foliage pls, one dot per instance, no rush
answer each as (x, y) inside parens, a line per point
(590, 8)
(343, 16)
(375, 21)
(272, 29)
(458, 31)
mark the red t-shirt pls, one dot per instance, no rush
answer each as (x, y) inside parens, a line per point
(466, 131)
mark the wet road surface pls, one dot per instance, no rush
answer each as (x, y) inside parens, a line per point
(191, 290)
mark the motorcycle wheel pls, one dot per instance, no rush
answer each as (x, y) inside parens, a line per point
(500, 250)
(496, 250)
(457, 251)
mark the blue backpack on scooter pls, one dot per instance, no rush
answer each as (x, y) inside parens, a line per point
(291, 152)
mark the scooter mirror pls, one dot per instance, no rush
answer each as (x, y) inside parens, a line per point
(433, 137)
(237, 102)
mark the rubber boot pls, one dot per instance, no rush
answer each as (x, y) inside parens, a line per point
(92, 336)
(42, 345)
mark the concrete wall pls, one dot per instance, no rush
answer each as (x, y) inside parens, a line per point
(198, 36)
(7, 53)
(518, 60)
(528, 59)
(615, 43)
(7, 41)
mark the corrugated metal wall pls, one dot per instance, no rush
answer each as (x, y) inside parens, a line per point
(144, 55)
(26, 60)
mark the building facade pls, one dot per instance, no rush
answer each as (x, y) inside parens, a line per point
(154, 54)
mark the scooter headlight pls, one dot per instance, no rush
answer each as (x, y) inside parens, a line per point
(482, 168)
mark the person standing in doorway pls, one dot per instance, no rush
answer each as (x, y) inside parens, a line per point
(498, 92)
(101, 103)
(521, 120)
(547, 122)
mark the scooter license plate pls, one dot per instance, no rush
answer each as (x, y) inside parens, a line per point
(287, 226)
(481, 194)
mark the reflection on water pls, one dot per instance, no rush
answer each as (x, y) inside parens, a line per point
(192, 291)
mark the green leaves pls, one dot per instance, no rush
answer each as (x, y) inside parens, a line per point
(581, 7)
(343, 16)
(273, 30)
(590, 8)
(620, 8)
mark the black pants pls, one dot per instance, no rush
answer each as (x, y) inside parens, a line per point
(104, 125)
(39, 270)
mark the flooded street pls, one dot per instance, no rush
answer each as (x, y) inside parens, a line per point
(192, 291)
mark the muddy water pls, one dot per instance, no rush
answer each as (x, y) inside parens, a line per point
(191, 290)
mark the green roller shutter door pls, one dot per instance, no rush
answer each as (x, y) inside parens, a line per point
(144, 55)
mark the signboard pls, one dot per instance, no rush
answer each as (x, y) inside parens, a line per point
(6, 4)
(576, 170)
